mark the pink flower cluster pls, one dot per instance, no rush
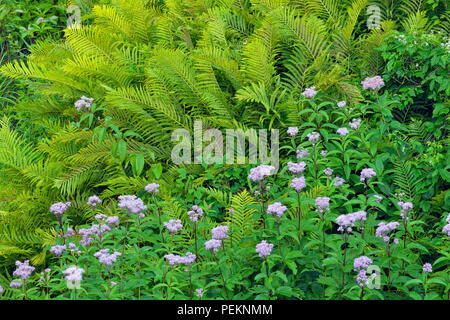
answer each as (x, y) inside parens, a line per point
(328, 172)
(277, 209)
(361, 264)
(347, 221)
(73, 274)
(152, 188)
(213, 244)
(342, 132)
(132, 203)
(174, 259)
(260, 172)
(302, 153)
(264, 248)
(195, 213)
(84, 103)
(106, 258)
(220, 233)
(174, 225)
(292, 131)
(58, 208)
(296, 168)
(377, 198)
(338, 182)
(427, 268)
(322, 204)
(384, 228)
(93, 201)
(24, 270)
(57, 250)
(313, 137)
(366, 174)
(405, 207)
(355, 124)
(309, 92)
(298, 184)
(446, 228)
(373, 83)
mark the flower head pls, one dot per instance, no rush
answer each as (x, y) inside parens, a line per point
(361, 263)
(175, 259)
(199, 292)
(302, 153)
(296, 168)
(377, 198)
(213, 244)
(373, 83)
(328, 172)
(174, 225)
(132, 203)
(112, 221)
(152, 188)
(298, 184)
(367, 174)
(427, 268)
(84, 103)
(309, 92)
(355, 124)
(322, 204)
(260, 172)
(384, 228)
(195, 213)
(264, 248)
(58, 250)
(277, 209)
(106, 258)
(338, 182)
(59, 208)
(341, 104)
(346, 221)
(292, 131)
(15, 284)
(405, 207)
(93, 201)
(220, 233)
(24, 270)
(74, 274)
(313, 137)
(342, 132)
(361, 279)
(446, 229)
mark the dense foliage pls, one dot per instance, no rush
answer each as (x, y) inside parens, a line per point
(92, 112)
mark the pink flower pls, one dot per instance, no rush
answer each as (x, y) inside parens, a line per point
(292, 131)
(313, 136)
(296, 167)
(373, 83)
(264, 248)
(298, 184)
(342, 132)
(355, 124)
(309, 92)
